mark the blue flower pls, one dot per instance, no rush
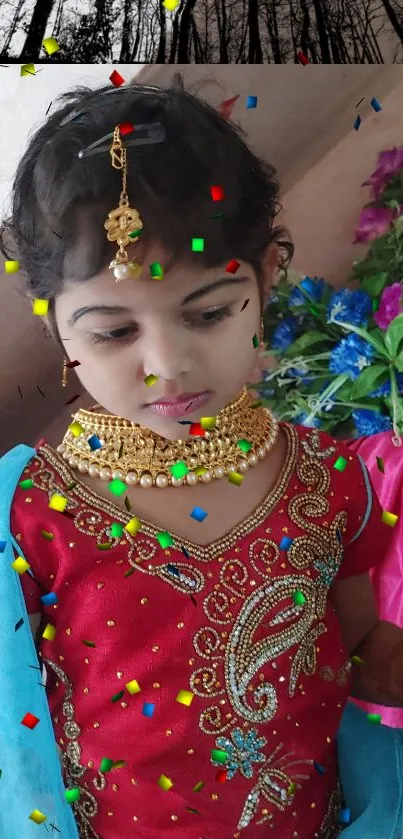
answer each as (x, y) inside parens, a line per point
(301, 420)
(350, 356)
(370, 422)
(385, 389)
(284, 334)
(242, 752)
(313, 287)
(349, 306)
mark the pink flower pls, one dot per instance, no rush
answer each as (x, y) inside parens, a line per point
(389, 163)
(373, 222)
(390, 305)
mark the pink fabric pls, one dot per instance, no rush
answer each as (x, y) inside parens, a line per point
(387, 576)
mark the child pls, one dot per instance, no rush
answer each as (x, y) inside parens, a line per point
(200, 573)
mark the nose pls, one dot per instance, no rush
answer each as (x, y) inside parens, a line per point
(166, 354)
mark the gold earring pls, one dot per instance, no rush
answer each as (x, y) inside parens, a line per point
(124, 220)
(64, 373)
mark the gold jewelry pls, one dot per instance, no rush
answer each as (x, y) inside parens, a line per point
(64, 373)
(136, 455)
(122, 221)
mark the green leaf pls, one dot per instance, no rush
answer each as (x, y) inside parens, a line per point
(394, 335)
(369, 379)
(304, 341)
(375, 284)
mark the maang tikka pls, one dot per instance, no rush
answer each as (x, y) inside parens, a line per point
(124, 220)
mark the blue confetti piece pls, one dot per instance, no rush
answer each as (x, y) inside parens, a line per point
(319, 768)
(345, 816)
(187, 554)
(357, 123)
(148, 709)
(308, 285)
(94, 442)
(2, 547)
(184, 422)
(251, 102)
(173, 570)
(49, 599)
(285, 543)
(198, 514)
(375, 104)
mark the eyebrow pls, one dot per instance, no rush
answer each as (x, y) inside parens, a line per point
(194, 295)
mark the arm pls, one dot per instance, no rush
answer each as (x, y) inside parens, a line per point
(377, 643)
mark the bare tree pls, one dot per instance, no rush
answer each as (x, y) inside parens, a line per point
(36, 31)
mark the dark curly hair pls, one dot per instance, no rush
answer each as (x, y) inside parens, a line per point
(60, 201)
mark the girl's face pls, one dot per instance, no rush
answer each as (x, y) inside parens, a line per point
(189, 330)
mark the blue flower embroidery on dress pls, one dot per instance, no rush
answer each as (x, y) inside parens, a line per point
(327, 570)
(242, 752)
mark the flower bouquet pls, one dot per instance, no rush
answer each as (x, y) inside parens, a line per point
(339, 354)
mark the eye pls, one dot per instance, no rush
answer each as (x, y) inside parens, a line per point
(112, 335)
(210, 317)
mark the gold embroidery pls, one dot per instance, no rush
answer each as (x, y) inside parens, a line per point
(87, 807)
(331, 827)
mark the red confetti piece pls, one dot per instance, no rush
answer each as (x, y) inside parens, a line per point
(30, 720)
(302, 58)
(73, 399)
(217, 193)
(126, 128)
(116, 79)
(196, 430)
(232, 266)
(71, 364)
(226, 107)
(221, 776)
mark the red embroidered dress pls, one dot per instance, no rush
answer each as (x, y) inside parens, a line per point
(244, 626)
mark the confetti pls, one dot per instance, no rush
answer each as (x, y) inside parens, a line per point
(133, 526)
(217, 193)
(255, 341)
(302, 58)
(156, 271)
(185, 697)
(179, 469)
(357, 660)
(40, 307)
(199, 786)
(49, 632)
(2, 546)
(375, 719)
(192, 810)
(198, 514)
(127, 504)
(200, 470)
(196, 430)
(187, 554)
(26, 484)
(30, 720)
(244, 445)
(375, 104)
(226, 107)
(49, 599)
(359, 103)
(340, 464)
(319, 768)
(20, 565)
(344, 816)
(197, 245)
(57, 502)
(221, 776)
(37, 817)
(285, 543)
(117, 764)
(292, 789)
(133, 687)
(298, 598)
(380, 464)
(47, 535)
(357, 123)
(219, 756)
(117, 487)
(89, 643)
(208, 423)
(150, 380)
(118, 696)
(173, 570)
(232, 266)
(104, 546)
(251, 102)
(76, 429)
(120, 450)
(27, 70)
(165, 539)
(11, 266)
(116, 530)
(256, 404)
(106, 764)
(235, 478)
(164, 782)
(50, 45)
(94, 442)
(19, 624)
(72, 795)
(126, 128)
(245, 304)
(116, 79)
(389, 518)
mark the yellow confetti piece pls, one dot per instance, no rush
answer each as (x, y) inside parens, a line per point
(133, 526)
(150, 380)
(20, 565)
(11, 266)
(50, 45)
(199, 786)
(200, 470)
(185, 697)
(357, 660)
(208, 422)
(49, 632)
(40, 307)
(133, 687)
(164, 782)
(76, 429)
(37, 817)
(291, 789)
(235, 478)
(28, 70)
(171, 5)
(389, 518)
(57, 502)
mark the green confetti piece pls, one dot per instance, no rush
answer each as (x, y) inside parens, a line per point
(380, 464)
(118, 764)
(27, 484)
(129, 573)
(165, 539)
(375, 305)
(72, 485)
(375, 719)
(219, 756)
(116, 529)
(298, 598)
(104, 546)
(255, 341)
(150, 380)
(256, 404)
(192, 810)
(117, 487)
(89, 643)
(106, 765)
(357, 660)
(340, 464)
(235, 478)
(179, 469)
(244, 445)
(118, 696)
(72, 795)
(156, 271)
(47, 535)
(198, 245)
(198, 786)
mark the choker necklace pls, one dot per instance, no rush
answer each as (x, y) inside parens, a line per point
(136, 455)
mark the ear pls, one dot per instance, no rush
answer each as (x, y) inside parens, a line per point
(270, 266)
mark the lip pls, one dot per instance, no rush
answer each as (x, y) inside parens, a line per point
(180, 405)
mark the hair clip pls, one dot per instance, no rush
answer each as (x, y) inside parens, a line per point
(75, 114)
(155, 134)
